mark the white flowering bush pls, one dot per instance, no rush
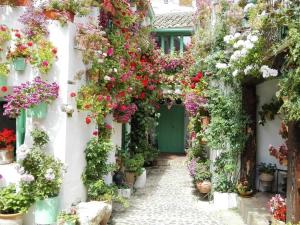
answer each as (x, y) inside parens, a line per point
(40, 173)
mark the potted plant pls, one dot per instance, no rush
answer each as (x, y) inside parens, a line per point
(202, 177)
(64, 10)
(5, 34)
(4, 71)
(243, 188)
(43, 56)
(47, 172)
(68, 218)
(266, 174)
(133, 167)
(7, 140)
(124, 191)
(33, 96)
(277, 208)
(13, 205)
(19, 53)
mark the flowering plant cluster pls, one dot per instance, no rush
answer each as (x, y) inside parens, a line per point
(193, 102)
(35, 23)
(123, 113)
(7, 138)
(21, 47)
(4, 69)
(43, 55)
(277, 207)
(28, 95)
(171, 64)
(243, 186)
(5, 34)
(280, 153)
(41, 174)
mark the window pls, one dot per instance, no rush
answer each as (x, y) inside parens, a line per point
(170, 44)
(186, 3)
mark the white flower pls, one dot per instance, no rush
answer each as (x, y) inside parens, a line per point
(248, 7)
(248, 44)
(50, 174)
(115, 70)
(27, 178)
(236, 35)
(221, 66)
(20, 169)
(235, 73)
(252, 38)
(244, 52)
(268, 72)
(240, 43)
(107, 78)
(22, 152)
(177, 91)
(228, 38)
(248, 69)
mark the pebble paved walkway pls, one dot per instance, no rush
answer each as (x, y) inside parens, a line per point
(169, 198)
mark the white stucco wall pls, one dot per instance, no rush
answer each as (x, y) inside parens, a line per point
(68, 135)
(159, 7)
(269, 133)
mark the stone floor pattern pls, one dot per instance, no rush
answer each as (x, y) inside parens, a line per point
(169, 198)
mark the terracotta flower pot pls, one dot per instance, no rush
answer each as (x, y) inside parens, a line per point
(129, 178)
(12, 219)
(21, 2)
(245, 194)
(51, 14)
(6, 155)
(204, 187)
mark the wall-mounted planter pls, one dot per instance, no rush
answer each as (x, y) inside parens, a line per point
(141, 180)
(19, 64)
(46, 211)
(6, 155)
(3, 80)
(225, 200)
(38, 112)
(11, 219)
(55, 15)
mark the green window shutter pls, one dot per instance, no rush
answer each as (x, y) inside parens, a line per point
(21, 128)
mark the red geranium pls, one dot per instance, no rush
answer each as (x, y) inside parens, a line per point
(7, 137)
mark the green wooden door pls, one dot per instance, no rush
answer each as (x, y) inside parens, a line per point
(170, 132)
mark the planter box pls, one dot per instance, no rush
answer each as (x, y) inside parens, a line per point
(19, 64)
(141, 180)
(11, 219)
(46, 211)
(125, 193)
(38, 111)
(225, 200)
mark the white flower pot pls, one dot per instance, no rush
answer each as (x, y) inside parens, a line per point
(225, 200)
(141, 180)
(125, 193)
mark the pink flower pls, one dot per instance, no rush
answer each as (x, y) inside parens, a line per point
(108, 127)
(108, 98)
(110, 51)
(72, 94)
(45, 63)
(100, 98)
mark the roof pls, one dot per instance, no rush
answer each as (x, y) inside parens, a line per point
(174, 20)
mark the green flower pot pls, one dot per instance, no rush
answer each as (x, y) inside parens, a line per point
(3, 80)
(46, 211)
(38, 111)
(19, 64)
(69, 223)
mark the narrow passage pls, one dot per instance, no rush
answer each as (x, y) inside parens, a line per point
(170, 199)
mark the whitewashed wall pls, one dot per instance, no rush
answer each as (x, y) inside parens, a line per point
(269, 133)
(68, 135)
(160, 7)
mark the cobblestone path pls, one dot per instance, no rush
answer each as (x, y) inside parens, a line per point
(169, 199)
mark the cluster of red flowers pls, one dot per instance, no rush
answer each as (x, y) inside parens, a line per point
(280, 153)
(195, 80)
(7, 137)
(277, 207)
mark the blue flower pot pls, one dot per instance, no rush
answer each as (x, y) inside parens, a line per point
(38, 111)
(3, 80)
(19, 64)
(46, 211)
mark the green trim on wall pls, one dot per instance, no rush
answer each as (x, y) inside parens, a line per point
(21, 128)
(175, 31)
(172, 45)
(181, 45)
(162, 44)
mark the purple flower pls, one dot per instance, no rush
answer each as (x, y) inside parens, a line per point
(27, 178)
(50, 176)
(193, 102)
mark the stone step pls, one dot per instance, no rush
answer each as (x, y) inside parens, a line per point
(254, 210)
